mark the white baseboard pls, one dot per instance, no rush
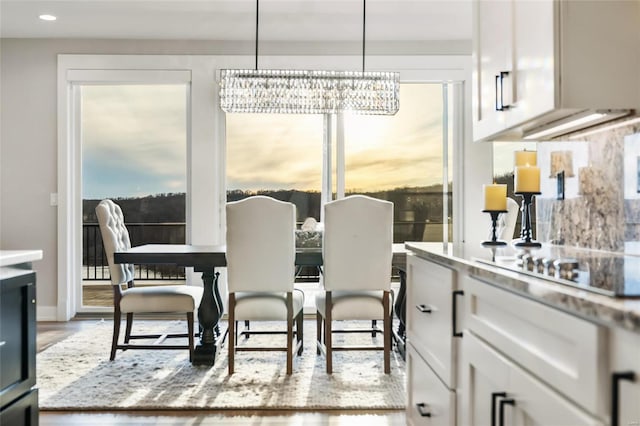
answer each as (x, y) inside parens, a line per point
(46, 313)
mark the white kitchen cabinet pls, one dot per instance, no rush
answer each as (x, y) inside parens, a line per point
(568, 358)
(485, 376)
(625, 362)
(539, 62)
(519, 354)
(432, 297)
(434, 330)
(430, 402)
(498, 392)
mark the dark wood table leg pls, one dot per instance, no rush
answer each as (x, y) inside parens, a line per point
(399, 335)
(208, 316)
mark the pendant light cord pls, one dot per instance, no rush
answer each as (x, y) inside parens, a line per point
(257, 10)
(364, 25)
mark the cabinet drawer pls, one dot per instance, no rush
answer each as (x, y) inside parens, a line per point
(430, 308)
(564, 351)
(22, 412)
(427, 395)
(496, 384)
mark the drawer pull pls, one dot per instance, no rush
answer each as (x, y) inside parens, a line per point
(423, 409)
(615, 393)
(454, 314)
(494, 396)
(425, 309)
(502, 403)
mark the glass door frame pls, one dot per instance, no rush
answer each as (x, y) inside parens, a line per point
(79, 78)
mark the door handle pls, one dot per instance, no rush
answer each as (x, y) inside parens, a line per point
(425, 309)
(615, 393)
(423, 409)
(494, 396)
(454, 313)
(500, 106)
(502, 403)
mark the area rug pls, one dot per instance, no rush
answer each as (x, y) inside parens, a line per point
(76, 374)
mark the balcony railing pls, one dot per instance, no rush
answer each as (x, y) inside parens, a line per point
(94, 260)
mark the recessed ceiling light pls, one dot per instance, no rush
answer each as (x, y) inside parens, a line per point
(47, 17)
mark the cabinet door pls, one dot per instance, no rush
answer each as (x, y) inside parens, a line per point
(535, 403)
(17, 335)
(492, 58)
(534, 77)
(22, 412)
(485, 374)
(430, 302)
(430, 402)
(625, 358)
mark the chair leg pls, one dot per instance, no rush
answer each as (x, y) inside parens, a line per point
(247, 326)
(190, 332)
(116, 332)
(387, 333)
(127, 330)
(289, 333)
(327, 333)
(374, 325)
(232, 331)
(300, 331)
(318, 332)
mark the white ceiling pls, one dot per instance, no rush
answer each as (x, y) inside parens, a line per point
(280, 20)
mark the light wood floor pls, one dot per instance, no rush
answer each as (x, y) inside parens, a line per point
(51, 332)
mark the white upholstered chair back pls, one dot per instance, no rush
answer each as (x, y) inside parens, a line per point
(357, 244)
(507, 222)
(261, 245)
(115, 237)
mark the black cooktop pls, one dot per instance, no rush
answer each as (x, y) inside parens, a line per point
(601, 272)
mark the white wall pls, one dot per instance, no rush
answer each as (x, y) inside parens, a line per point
(28, 135)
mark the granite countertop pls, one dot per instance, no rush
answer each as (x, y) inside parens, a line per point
(16, 257)
(610, 311)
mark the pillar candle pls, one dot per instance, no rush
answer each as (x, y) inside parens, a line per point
(527, 179)
(495, 197)
(525, 158)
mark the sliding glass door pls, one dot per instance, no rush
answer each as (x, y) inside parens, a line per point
(134, 150)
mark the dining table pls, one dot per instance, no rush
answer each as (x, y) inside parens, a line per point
(205, 259)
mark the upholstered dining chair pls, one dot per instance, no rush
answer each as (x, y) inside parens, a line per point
(507, 222)
(261, 271)
(357, 254)
(143, 299)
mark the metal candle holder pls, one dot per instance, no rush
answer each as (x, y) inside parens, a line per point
(494, 238)
(526, 233)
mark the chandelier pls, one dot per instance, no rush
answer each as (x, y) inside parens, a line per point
(309, 91)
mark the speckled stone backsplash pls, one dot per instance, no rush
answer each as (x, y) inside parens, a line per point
(601, 205)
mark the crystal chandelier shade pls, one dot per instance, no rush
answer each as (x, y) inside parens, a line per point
(309, 92)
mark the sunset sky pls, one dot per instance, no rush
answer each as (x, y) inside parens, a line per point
(134, 144)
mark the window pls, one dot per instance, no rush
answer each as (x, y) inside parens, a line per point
(276, 155)
(399, 158)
